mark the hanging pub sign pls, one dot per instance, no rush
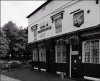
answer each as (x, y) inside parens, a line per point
(78, 18)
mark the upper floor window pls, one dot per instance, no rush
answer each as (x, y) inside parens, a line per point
(57, 18)
(34, 30)
(91, 51)
(58, 25)
(35, 34)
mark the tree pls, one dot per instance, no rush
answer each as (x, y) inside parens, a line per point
(11, 32)
(20, 45)
(17, 39)
(3, 43)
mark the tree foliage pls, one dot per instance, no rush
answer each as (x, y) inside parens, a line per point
(4, 47)
(21, 41)
(16, 38)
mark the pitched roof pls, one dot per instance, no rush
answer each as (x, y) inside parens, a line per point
(44, 4)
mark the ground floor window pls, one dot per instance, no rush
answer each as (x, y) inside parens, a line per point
(60, 53)
(35, 55)
(42, 54)
(91, 51)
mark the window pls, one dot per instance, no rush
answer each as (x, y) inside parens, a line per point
(35, 34)
(42, 54)
(35, 55)
(91, 52)
(58, 25)
(95, 51)
(34, 30)
(57, 18)
(87, 51)
(60, 53)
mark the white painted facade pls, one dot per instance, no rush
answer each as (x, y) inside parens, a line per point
(52, 8)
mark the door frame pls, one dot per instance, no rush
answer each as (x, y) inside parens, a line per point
(70, 62)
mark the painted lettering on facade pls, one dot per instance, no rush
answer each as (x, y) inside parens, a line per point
(42, 35)
(44, 28)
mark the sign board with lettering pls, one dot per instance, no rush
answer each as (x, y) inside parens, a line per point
(44, 29)
(74, 53)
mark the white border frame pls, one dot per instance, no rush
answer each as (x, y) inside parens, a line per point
(44, 58)
(90, 51)
(56, 55)
(70, 65)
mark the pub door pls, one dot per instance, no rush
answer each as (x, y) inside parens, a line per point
(75, 62)
(50, 61)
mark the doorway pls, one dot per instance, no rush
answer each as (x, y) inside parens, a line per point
(75, 62)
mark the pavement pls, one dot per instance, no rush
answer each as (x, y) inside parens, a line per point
(5, 78)
(30, 75)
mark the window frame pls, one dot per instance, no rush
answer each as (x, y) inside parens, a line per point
(61, 58)
(35, 34)
(42, 51)
(58, 26)
(34, 30)
(83, 51)
(35, 53)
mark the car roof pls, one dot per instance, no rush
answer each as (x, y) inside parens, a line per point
(13, 61)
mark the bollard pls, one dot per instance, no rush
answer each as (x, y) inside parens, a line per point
(62, 74)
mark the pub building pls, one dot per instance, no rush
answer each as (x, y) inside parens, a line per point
(65, 38)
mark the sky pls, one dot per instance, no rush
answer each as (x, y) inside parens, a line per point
(17, 11)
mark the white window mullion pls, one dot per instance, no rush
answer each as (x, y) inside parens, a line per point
(83, 53)
(56, 53)
(99, 51)
(33, 55)
(90, 52)
(45, 54)
(61, 55)
(40, 54)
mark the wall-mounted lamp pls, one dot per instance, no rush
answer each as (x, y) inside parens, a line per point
(88, 11)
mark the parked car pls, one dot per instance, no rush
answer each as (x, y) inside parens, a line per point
(27, 62)
(14, 64)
